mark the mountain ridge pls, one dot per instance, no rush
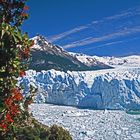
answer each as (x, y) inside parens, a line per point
(47, 56)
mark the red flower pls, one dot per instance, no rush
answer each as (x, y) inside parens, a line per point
(14, 90)
(8, 118)
(8, 101)
(26, 51)
(25, 8)
(24, 14)
(3, 126)
(17, 96)
(22, 73)
(14, 109)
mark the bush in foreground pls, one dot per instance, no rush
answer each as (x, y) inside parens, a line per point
(37, 131)
(15, 122)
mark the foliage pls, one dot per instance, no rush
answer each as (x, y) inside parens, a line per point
(14, 57)
(15, 122)
(58, 133)
(37, 131)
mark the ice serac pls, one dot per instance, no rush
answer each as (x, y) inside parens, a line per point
(102, 89)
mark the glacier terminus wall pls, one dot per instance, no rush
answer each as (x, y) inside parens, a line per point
(102, 89)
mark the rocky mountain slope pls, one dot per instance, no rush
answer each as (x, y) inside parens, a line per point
(46, 56)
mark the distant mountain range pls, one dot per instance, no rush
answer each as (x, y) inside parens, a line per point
(46, 56)
(128, 61)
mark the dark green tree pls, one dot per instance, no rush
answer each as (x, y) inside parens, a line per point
(14, 57)
(15, 121)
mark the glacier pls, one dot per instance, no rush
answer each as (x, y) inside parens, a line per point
(117, 88)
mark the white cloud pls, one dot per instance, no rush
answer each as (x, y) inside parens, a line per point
(123, 14)
(64, 34)
(103, 38)
(112, 43)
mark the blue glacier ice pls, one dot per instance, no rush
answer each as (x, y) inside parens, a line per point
(102, 89)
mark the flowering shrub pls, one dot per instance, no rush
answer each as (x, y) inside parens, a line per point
(14, 57)
(15, 121)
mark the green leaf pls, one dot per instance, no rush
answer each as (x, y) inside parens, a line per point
(14, 65)
(2, 33)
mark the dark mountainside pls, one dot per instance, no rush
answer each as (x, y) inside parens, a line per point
(46, 56)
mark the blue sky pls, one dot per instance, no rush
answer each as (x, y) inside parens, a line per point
(94, 27)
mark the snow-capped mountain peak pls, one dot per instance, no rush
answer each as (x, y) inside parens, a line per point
(127, 61)
(46, 55)
(39, 42)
